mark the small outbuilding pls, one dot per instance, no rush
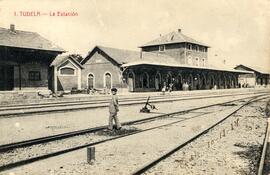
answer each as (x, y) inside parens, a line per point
(67, 72)
(258, 78)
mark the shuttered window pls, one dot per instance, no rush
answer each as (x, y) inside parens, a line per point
(34, 76)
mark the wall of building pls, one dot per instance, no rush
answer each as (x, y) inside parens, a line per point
(67, 82)
(98, 65)
(180, 52)
(37, 67)
(25, 61)
(176, 51)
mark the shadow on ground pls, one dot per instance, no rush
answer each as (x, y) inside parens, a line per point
(115, 132)
(251, 154)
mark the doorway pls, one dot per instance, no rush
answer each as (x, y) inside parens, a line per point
(130, 82)
(6, 78)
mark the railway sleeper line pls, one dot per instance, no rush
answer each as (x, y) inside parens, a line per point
(27, 161)
(30, 142)
(150, 165)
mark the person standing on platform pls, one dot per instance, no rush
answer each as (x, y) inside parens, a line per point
(113, 109)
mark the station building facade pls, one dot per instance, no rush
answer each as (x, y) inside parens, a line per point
(170, 59)
(24, 60)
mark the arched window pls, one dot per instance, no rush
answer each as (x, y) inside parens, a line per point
(203, 62)
(197, 61)
(108, 80)
(67, 71)
(91, 81)
(189, 60)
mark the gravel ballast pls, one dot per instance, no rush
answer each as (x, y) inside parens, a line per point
(235, 152)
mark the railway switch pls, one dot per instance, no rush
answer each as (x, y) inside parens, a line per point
(145, 108)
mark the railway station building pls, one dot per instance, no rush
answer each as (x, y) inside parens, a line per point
(258, 78)
(25, 58)
(170, 59)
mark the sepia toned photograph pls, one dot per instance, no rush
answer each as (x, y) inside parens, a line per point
(100, 87)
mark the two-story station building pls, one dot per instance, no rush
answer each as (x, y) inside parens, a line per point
(173, 58)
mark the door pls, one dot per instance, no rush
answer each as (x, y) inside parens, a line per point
(90, 81)
(108, 80)
(6, 78)
(130, 82)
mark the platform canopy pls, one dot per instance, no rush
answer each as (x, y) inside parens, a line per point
(177, 65)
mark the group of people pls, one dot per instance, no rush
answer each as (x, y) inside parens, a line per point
(165, 88)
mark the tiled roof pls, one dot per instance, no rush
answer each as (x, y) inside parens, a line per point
(173, 37)
(62, 58)
(121, 56)
(253, 68)
(25, 39)
(126, 56)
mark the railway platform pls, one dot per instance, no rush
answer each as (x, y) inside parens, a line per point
(79, 101)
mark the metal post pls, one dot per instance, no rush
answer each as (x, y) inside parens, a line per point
(91, 154)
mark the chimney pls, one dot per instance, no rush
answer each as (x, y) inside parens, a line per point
(12, 27)
(179, 30)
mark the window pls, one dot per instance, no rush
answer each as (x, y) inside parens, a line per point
(203, 49)
(34, 76)
(203, 62)
(189, 60)
(196, 48)
(91, 81)
(67, 71)
(189, 47)
(162, 48)
(108, 80)
(197, 62)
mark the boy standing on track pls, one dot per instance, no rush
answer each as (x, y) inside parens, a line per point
(113, 109)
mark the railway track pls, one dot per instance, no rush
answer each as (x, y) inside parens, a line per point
(144, 169)
(15, 110)
(51, 138)
(263, 151)
(10, 146)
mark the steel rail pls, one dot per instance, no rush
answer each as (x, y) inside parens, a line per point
(263, 151)
(30, 142)
(177, 148)
(3, 107)
(104, 104)
(49, 155)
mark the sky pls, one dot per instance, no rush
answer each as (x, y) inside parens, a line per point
(237, 31)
